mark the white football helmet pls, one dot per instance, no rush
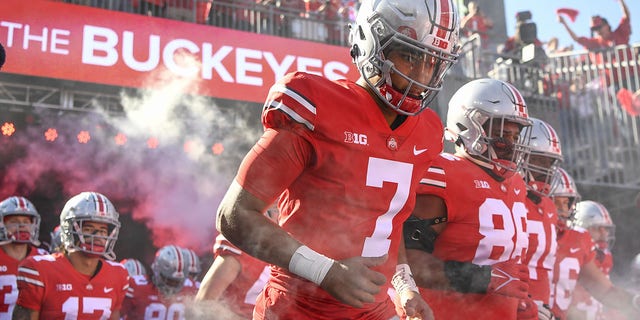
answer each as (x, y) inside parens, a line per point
(634, 270)
(193, 263)
(544, 159)
(19, 206)
(169, 270)
(134, 267)
(566, 187)
(425, 29)
(94, 207)
(473, 111)
(593, 215)
(56, 240)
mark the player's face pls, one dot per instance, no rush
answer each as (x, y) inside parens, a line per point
(542, 162)
(562, 205)
(418, 66)
(19, 226)
(95, 232)
(599, 233)
(504, 135)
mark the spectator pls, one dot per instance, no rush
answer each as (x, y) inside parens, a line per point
(164, 294)
(152, 8)
(539, 172)
(58, 286)
(459, 254)
(526, 34)
(553, 47)
(340, 227)
(19, 226)
(475, 22)
(602, 35)
(235, 278)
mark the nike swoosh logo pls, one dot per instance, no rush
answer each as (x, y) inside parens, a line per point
(418, 151)
(517, 191)
(574, 250)
(107, 290)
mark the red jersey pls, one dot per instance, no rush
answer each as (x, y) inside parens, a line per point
(619, 36)
(51, 285)
(145, 302)
(8, 276)
(582, 299)
(348, 179)
(243, 291)
(542, 218)
(486, 224)
(575, 249)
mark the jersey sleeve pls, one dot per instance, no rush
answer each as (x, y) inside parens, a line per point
(121, 277)
(223, 247)
(273, 163)
(31, 285)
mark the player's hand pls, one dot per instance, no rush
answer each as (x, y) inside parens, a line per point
(509, 278)
(527, 310)
(544, 312)
(414, 306)
(352, 281)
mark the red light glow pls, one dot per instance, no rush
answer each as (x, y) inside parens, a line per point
(84, 136)
(120, 139)
(152, 143)
(51, 134)
(217, 148)
(8, 128)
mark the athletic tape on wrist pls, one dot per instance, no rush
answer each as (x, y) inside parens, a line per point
(310, 264)
(403, 279)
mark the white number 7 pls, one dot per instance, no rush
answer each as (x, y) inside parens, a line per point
(378, 172)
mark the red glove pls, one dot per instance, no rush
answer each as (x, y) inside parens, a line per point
(527, 310)
(509, 278)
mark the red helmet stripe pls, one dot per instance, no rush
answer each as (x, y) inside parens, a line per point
(445, 18)
(101, 203)
(21, 203)
(179, 257)
(555, 141)
(518, 100)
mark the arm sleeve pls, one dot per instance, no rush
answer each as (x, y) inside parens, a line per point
(273, 163)
(30, 286)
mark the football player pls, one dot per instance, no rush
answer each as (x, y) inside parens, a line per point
(235, 278)
(55, 244)
(81, 282)
(542, 217)
(346, 157)
(594, 218)
(19, 226)
(466, 238)
(575, 259)
(162, 297)
(134, 267)
(193, 269)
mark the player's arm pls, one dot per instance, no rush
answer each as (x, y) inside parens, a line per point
(221, 274)
(601, 288)
(412, 303)
(507, 278)
(22, 313)
(625, 9)
(278, 158)
(115, 315)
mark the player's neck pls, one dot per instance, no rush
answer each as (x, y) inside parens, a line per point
(84, 263)
(17, 251)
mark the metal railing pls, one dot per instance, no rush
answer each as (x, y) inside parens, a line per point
(271, 17)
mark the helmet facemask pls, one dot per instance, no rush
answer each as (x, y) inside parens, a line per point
(564, 186)
(91, 242)
(19, 231)
(503, 155)
(169, 270)
(540, 172)
(427, 31)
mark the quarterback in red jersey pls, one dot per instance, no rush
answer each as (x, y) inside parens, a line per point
(77, 283)
(467, 237)
(542, 216)
(19, 225)
(345, 158)
(575, 258)
(163, 296)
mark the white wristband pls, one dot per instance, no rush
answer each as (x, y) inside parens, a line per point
(310, 264)
(403, 279)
